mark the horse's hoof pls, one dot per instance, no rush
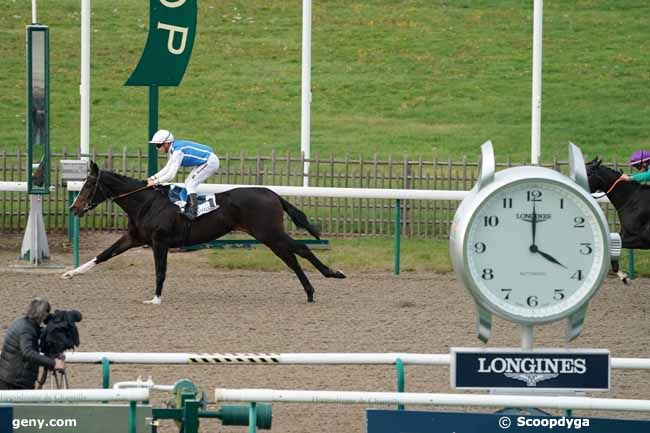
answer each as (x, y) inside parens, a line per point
(339, 274)
(67, 275)
(155, 301)
(625, 281)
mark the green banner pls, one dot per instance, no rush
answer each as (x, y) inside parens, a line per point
(172, 27)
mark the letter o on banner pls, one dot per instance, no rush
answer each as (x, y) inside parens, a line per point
(172, 4)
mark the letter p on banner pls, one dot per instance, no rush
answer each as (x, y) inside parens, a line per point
(172, 27)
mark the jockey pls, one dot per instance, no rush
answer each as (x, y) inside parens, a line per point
(640, 159)
(184, 153)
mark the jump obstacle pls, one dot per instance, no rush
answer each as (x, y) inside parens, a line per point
(400, 398)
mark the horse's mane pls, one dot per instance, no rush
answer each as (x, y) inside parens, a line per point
(122, 179)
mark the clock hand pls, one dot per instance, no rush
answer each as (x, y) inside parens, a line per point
(534, 224)
(550, 258)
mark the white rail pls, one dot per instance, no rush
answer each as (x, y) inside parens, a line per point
(312, 191)
(299, 191)
(67, 395)
(13, 186)
(410, 398)
(256, 358)
(292, 358)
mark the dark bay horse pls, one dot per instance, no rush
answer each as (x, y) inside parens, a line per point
(155, 221)
(632, 203)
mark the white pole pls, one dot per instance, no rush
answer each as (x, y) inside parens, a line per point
(34, 21)
(292, 358)
(13, 186)
(57, 395)
(527, 337)
(372, 398)
(536, 129)
(258, 358)
(305, 118)
(630, 363)
(84, 88)
(299, 191)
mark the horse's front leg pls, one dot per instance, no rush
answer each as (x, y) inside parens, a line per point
(621, 274)
(160, 262)
(124, 243)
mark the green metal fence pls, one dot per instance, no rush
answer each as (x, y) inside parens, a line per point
(335, 216)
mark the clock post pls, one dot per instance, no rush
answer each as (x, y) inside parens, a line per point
(532, 246)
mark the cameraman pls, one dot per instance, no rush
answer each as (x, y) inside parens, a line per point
(20, 357)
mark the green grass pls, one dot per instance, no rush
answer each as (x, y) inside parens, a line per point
(354, 255)
(430, 77)
(351, 255)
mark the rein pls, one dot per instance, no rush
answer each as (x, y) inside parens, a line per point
(130, 192)
(109, 197)
(614, 185)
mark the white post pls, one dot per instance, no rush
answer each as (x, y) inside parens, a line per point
(34, 21)
(527, 337)
(305, 118)
(35, 239)
(535, 146)
(84, 88)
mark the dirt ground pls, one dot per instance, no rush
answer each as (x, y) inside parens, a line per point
(213, 310)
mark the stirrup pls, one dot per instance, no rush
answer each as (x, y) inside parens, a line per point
(187, 213)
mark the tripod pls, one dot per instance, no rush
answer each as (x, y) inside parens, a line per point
(60, 379)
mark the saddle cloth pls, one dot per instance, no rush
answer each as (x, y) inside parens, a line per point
(207, 202)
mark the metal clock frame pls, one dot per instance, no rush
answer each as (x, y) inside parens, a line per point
(489, 183)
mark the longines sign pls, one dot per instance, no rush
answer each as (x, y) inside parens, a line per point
(543, 369)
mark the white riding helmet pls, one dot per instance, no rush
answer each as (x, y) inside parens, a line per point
(162, 136)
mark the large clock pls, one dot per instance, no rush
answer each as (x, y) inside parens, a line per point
(530, 244)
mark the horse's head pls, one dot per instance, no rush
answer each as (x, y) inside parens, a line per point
(600, 177)
(91, 194)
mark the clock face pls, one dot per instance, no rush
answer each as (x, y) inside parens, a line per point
(534, 250)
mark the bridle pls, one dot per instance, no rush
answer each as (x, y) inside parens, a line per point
(107, 196)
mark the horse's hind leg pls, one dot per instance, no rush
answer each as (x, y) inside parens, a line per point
(282, 249)
(304, 252)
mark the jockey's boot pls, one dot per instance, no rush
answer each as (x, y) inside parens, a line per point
(191, 207)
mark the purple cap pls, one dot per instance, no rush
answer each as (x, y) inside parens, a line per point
(639, 156)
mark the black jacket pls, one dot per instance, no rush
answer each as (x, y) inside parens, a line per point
(20, 357)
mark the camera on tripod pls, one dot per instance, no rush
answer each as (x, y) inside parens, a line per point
(60, 334)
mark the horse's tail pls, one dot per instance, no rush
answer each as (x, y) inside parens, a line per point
(299, 218)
